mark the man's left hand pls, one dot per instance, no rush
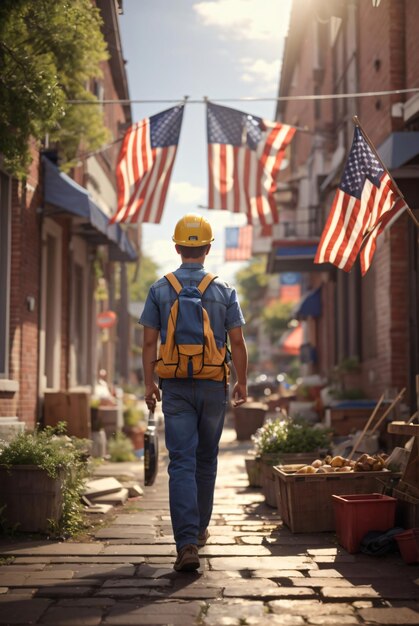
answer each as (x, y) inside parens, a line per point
(152, 396)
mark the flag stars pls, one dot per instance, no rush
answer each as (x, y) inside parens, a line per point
(228, 126)
(165, 127)
(361, 164)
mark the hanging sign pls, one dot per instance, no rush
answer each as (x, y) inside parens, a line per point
(106, 319)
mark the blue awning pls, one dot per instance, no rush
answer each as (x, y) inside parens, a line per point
(63, 193)
(399, 148)
(310, 305)
(297, 255)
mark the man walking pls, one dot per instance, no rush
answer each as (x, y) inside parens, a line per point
(193, 408)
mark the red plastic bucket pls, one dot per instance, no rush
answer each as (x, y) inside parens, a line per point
(358, 514)
(408, 543)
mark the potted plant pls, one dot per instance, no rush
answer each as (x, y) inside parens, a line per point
(134, 425)
(248, 418)
(286, 441)
(41, 481)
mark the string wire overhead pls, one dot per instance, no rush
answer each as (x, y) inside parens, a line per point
(204, 99)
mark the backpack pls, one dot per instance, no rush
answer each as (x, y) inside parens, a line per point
(190, 349)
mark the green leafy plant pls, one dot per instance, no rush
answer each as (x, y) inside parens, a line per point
(284, 436)
(132, 416)
(51, 450)
(121, 449)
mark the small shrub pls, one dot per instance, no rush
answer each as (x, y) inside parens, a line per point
(51, 450)
(121, 449)
(284, 436)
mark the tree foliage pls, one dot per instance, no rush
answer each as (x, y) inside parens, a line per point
(140, 281)
(252, 281)
(275, 318)
(49, 50)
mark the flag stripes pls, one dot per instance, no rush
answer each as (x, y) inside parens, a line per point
(145, 165)
(365, 203)
(244, 158)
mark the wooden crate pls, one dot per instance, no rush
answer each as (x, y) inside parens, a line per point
(305, 500)
(72, 407)
(267, 463)
(346, 419)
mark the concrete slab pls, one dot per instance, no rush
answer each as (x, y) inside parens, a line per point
(101, 486)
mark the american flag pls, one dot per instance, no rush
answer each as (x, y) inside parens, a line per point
(238, 243)
(144, 166)
(244, 157)
(366, 202)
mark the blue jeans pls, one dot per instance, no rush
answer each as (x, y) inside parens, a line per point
(194, 417)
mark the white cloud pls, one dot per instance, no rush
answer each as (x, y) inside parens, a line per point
(263, 73)
(246, 19)
(162, 252)
(185, 193)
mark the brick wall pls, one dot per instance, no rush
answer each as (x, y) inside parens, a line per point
(24, 283)
(412, 43)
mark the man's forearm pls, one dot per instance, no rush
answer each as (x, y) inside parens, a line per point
(239, 358)
(149, 359)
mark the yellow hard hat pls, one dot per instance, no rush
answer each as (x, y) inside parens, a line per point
(193, 231)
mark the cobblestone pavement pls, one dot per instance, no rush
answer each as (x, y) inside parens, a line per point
(253, 570)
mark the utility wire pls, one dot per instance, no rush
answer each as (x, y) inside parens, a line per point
(187, 100)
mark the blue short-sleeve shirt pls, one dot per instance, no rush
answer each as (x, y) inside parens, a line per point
(219, 299)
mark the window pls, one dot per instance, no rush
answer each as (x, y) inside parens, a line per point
(50, 336)
(5, 245)
(80, 314)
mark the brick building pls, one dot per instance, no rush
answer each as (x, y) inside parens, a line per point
(343, 47)
(59, 262)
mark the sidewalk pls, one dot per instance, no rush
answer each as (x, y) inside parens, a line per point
(253, 570)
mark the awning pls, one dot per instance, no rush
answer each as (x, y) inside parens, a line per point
(399, 148)
(310, 305)
(64, 194)
(291, 341)
(289, 255)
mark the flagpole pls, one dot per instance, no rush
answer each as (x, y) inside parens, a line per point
(371, 145)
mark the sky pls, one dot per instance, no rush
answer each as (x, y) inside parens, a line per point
(214, 48)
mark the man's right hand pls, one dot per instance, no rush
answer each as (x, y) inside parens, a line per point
(239, 394)
(152, 396)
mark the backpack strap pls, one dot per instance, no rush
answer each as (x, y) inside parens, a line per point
(205, 282)
(171, 278)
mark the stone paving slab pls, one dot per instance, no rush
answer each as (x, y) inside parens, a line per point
(234, 612)
(51, 548)
(95, 570)
(265, 591)
(70, 616)
(274, 562)
(125, 614)
(65, 591)
(393, 616)
(308, 608)
(21, 609)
